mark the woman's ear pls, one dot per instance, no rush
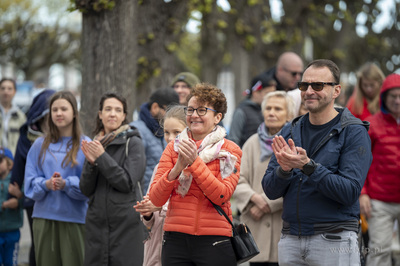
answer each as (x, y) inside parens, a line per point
(217, 118)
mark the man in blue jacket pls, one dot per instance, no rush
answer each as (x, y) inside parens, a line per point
(319, 166)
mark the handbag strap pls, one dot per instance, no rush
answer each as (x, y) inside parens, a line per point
(222, 212)
(138, 182)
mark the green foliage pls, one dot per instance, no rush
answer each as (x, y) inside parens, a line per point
(147, 69)
(188, 52)
(92, 5)
(222, 24)
(30, 43)
(171, 47)
(247, 23)
(253, 2)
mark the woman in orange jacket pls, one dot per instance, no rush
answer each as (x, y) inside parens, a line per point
(198, 167)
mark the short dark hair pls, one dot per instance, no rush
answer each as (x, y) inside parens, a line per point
(164, 97)
(11, 80)
(320, 63)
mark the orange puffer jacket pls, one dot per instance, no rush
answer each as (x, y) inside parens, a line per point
(194, 214)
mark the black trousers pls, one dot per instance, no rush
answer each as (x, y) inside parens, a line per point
(184, 249)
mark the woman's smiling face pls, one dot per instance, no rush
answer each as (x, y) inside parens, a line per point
(201, 126)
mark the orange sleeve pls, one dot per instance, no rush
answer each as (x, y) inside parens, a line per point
(217, 190)
(161, 188)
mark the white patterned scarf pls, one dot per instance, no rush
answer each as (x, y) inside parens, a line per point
(209, 150)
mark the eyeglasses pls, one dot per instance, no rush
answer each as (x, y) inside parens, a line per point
(200, 111)
(317, 86)
(293, 73)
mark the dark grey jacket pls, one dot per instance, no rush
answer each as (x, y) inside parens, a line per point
(114, 232)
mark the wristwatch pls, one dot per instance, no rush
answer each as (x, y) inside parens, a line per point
(309, 167)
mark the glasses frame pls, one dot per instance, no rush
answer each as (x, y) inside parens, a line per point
(317, 86)
(293, 73)
(196, 109)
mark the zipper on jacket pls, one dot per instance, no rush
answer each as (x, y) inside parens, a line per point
(219, 242)
(297, 205)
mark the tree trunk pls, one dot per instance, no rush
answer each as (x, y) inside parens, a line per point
(159, 31)
(211, 53)
(109, 53)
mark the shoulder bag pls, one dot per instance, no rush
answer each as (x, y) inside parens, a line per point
(242, 240)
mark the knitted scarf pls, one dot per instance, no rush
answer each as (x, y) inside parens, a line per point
(150, 121)
(209, 150)
(108, 138)
(265, 142)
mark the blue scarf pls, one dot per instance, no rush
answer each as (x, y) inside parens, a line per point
(150, 122)
(265, 142)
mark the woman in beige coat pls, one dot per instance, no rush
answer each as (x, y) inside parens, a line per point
(262, 215)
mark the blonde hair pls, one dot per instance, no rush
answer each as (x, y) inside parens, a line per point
(367, 71)
(175, 111)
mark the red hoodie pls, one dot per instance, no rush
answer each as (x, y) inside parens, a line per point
(383, 180)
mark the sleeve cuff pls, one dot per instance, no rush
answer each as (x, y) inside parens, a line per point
(283, 174)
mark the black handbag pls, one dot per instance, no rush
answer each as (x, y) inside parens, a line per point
(242, 240)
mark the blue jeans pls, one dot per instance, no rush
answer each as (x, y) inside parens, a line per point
(9, 248)
(322, 249)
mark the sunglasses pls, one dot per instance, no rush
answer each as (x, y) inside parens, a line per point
(293, 73)
(317, 86)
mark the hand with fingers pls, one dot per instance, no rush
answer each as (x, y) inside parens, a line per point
(288, 155)
(92, 150)
(187, 154)
(13, 189)
(365, 205)
(58, 183)
(146, 207)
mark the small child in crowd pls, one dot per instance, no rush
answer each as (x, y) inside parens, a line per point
(10, 213)
(153, 217)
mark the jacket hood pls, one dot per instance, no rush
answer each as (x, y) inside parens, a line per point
(391, 81)
(39, 107)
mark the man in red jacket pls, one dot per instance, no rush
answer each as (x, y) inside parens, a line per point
(380, 196)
